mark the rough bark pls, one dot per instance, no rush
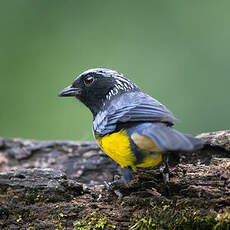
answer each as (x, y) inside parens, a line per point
(60, 185)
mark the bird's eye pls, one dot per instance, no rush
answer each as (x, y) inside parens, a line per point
(89, 80)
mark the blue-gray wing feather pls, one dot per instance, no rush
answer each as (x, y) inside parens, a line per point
(167, 138)
(131, 107)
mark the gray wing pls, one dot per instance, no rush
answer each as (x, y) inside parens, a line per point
(142, 113)
(132, 107)
(164, 137)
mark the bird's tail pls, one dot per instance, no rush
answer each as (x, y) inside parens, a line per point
(169, 139)
(197, 143)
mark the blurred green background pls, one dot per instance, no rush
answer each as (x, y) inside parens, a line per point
(177, 51)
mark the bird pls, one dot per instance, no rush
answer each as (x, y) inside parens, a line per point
(130, 126)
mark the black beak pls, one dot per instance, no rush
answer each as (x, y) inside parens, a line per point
(70, 92)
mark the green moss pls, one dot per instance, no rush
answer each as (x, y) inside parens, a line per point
(59, 227)
(19, 219)
(95, 221)
(223, 221)
(169, 217)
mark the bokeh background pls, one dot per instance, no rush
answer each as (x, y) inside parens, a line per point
(177, 51)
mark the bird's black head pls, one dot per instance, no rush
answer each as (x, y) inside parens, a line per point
(97, 87)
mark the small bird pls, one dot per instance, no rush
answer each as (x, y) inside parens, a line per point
(131, 127)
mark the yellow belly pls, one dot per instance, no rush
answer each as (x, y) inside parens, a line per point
(117, 146)
(151, 160)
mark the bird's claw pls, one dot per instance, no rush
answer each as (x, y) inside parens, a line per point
(165, 174)
(115, 185)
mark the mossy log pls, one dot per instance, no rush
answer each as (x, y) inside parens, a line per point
(60, 185)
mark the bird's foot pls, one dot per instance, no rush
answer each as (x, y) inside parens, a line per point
(116, 183)
(165, 171)
(115, 186)
(165, 174)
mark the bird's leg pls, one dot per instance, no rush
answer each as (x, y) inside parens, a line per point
(127, 173)
(165, 171)
(115, 185)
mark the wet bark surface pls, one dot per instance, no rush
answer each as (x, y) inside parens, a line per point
(60, 185)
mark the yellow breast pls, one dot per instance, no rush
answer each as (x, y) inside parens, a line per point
(117, 146)
(153, 154)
